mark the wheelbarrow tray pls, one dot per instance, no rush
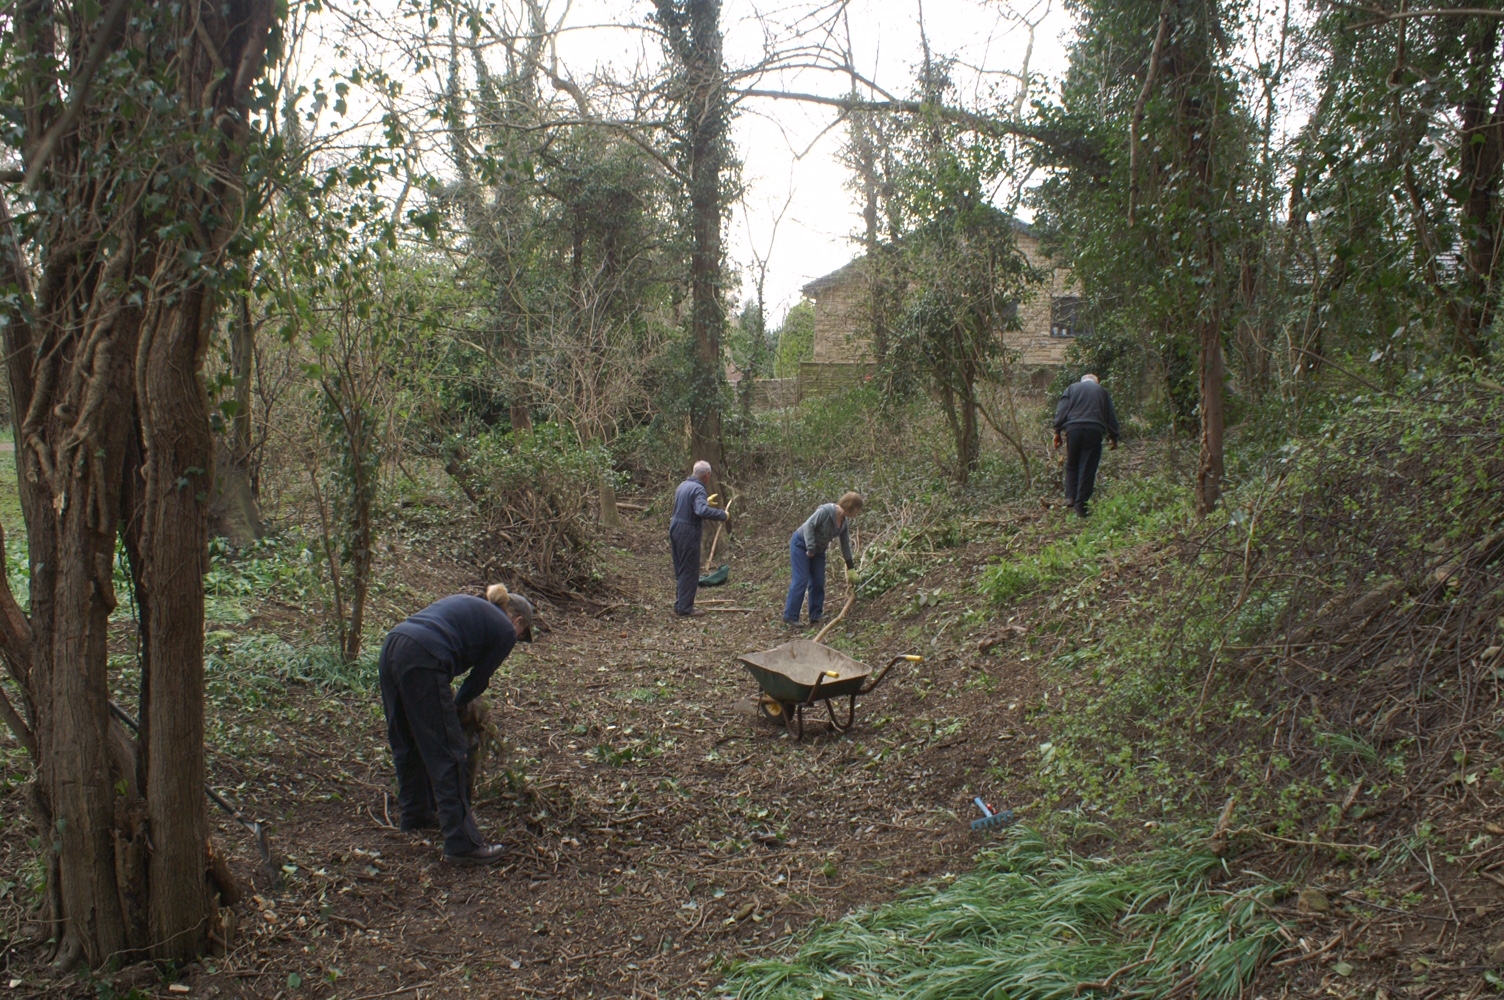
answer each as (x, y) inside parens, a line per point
(788, 673)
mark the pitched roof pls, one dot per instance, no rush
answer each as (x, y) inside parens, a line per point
(837, 277)
(849, 270)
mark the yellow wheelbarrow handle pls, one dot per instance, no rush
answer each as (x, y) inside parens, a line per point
(883, 674)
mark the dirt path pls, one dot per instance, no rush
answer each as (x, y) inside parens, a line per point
(655, 828)
(659, 827)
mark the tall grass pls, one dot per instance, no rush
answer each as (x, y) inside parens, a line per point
(1032, 924)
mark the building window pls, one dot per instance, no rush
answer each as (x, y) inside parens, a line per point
(1068, 316)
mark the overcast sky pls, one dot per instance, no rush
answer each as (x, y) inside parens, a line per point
(789, 150)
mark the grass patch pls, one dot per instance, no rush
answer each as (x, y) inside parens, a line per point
(284, 566)
(248, 675)
(1031, 924)
(1142, 510)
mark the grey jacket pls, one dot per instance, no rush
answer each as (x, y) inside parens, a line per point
(820, 530)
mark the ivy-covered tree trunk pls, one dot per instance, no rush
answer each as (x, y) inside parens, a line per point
(1480, 149)
(235, 512)
(1199, 102)
(133, 129)
(693, 31)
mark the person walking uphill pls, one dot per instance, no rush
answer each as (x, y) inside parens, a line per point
(1085, 414)
(418, 660)
(807, 555)
(690, 508)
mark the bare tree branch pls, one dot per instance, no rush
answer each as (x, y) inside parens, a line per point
(1381, 16)
(1066, 143)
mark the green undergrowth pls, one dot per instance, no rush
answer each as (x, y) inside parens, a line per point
(253, 669)
(860, 439)
(247, 676)
(284, 567)
(1030, 923)
(1168, 684)
(1136, 512)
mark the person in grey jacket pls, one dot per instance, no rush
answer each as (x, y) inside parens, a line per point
(691, 506)
(807, 555)
(1084, 415)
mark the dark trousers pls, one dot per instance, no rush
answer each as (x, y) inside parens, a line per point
(808, 575)
(685, 541)
(1083, 453)
(428, 745)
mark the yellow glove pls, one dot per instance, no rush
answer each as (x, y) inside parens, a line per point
(851, 576)
(712, 498)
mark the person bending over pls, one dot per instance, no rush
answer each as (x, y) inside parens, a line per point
(452, 636)
(807, 555)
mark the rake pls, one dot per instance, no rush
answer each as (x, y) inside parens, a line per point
(991, 820)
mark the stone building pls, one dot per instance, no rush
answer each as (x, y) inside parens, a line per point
(1047, 320)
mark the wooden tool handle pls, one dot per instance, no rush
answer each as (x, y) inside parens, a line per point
(850, 600)
(710, 560)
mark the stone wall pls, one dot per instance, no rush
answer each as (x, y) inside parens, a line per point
(825, 378)
(842, 323)
(1032, 339)
(774, 393)
(843, 318)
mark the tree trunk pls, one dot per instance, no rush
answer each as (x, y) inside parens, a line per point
(234, 512)
(694, 37)
(610, 516)
(1209, 469)
(521, 417)
(179, 452)
(970, 442)
(359, 437)
(113, 334)
(362, 564)
(1480, 159)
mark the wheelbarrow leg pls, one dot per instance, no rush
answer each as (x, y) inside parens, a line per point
(782, 711)
(835, 722)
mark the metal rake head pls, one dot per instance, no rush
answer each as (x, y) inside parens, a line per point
(991, 820)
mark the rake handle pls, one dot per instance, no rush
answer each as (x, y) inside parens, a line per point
(850, 600)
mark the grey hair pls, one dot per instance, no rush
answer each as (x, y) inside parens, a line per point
(1091, 378)
(702, 468)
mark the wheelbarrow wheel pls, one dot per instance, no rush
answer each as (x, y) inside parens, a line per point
(771, 709)
(835, 721)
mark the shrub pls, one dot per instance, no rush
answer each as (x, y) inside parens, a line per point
(536, 493)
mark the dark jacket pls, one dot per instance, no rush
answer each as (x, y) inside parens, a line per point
(1086, 404)
(463, 633)
(691, 505)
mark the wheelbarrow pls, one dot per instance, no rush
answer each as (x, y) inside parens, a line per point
(800, 674)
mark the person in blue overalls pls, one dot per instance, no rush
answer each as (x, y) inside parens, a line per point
(807, 555)
(419, 659)
(691, 506)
